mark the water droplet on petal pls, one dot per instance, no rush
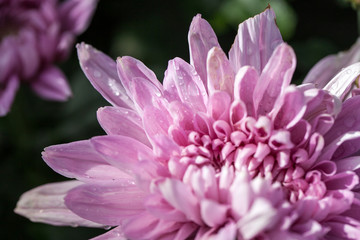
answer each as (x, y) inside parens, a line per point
(97, 74)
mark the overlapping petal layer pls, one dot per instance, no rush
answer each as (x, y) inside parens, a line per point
(224, 149)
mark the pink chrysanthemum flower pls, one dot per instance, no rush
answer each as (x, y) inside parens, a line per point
(224, 149)
(33, 35)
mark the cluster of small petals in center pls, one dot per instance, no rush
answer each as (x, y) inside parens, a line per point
(258, 145)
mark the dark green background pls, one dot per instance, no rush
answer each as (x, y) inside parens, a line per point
(154, 32)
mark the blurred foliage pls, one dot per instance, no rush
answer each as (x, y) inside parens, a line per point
(154, 32)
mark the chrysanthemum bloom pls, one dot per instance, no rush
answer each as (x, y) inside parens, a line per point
(226, 148)
(33, 35)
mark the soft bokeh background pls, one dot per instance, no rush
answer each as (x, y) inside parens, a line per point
(154, 32)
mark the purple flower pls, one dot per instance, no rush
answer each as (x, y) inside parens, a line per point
(33, 35)
(224, 149)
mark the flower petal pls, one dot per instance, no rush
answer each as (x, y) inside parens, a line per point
(220, 74)
(129, 68)
(347, 120)
(101, 71)
(329, 66)
(181, 82)
(80, 160)
(122, 121)
(341, 147)
(245, 82)
(29, 57)
(171, 189)
(8, 60)
(46, 204)
(213, 213)
(341, 84)
(76, 14)
(52, 84)
(260, 217)
(255, 42)
(107, 205)
(156, 121)
(289, 109)
(146, 226)
(122, 152)
(7, 95)
(275, 77)
(201, 39)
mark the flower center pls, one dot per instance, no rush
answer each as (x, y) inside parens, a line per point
(257, 146)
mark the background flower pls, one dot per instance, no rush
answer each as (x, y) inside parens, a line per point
(318, 34)
(33, 35)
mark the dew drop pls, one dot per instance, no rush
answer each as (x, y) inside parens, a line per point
(97, 74)
(107, 227)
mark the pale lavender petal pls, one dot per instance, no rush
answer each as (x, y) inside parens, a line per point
(229, 231)
(308, 230)
(185, 231)
(349, 164)
(46, 204)
(101, 71)
(49, 45)
(80, 160)
(106, 204)
(172, 189)
(129, 68)
(161, 209)
(146, 226)
(255, 42)
(341, 84)
(219, 104)
(7, 95)
(201, 39)
(240, 189)
(156, 121)
(52, 84)
(244, 86)
(322, 123)
(219, 72)
(343, 146)
(275, 77)
(329, 66)
(145, 93)
(76, 14)
(289, 109)
(183, 83)
(260, 217)
(8, 60)
(347, 120)
(344, 228)
(29, 58)
(122, 152)
(182, 115)
(320, 102)
(122, 121)
(342, 181)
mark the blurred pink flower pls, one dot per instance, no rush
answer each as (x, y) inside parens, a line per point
(224, 149)
(33, 35)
